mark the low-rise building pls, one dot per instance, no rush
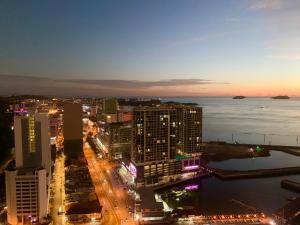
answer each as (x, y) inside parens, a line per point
(27, 196)
(82, 203)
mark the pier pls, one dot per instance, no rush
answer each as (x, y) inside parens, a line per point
(249, 208)
(243, 219)
(291, 185)
(237, 174)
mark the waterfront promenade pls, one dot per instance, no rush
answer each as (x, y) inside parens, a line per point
(181, 181)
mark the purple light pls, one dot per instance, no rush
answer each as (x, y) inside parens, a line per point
(132, 170)
(191, 167)
(21, 111)
(192, 187)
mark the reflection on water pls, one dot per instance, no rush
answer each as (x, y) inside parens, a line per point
(251, 121)
(213, 195)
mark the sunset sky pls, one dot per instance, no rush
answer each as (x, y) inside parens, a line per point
(150, 47)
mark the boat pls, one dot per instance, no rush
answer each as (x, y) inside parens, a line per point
(291, 198)
(281, 97)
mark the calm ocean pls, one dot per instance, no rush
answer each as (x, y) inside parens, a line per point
(250, 120)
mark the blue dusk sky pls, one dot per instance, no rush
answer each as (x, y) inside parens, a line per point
(153, 47)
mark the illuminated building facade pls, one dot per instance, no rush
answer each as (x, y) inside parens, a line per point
(26, 195)
(110, 106)
(189, 132)
(119, 140)
(27, 191)
(166, 142)
(32, 141)
(55, 122)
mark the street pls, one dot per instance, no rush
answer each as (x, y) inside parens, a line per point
(58, 189)
(112, 194)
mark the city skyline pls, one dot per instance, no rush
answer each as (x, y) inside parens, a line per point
(161, 48)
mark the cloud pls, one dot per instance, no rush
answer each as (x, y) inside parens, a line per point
(11, 84)
(282, 16)
(286, 56)
(232, 20)
(209, 37)
(265, 4)
(281, 19)
(142, 84)
(284, 43)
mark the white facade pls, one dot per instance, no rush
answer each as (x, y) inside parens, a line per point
(26, 196)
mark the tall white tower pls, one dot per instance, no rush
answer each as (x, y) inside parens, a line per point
(27, 192)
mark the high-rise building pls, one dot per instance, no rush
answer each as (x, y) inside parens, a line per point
(166, 143)
(27, 191)
(189, 132)
(110, 106)
(154, 134)
(117, 138)
(55, 121)
(32, 141)
(72, 130)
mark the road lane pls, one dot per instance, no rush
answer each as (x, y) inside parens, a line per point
(58, 188)
(109, 213)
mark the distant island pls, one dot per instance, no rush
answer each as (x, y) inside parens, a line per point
(281, 97)
(239, 97)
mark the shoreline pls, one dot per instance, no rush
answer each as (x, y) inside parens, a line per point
(248, 174)
(220, 151)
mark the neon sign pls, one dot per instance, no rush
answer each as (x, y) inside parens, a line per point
(192, 187)
(193, 167)
(132, 170)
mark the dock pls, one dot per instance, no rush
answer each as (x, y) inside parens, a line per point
(237, 174)
(291, 185)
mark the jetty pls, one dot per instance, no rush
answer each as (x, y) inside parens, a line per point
(291, 185)
(237, 174)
